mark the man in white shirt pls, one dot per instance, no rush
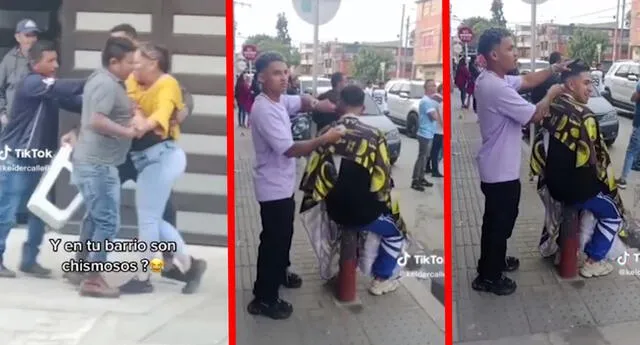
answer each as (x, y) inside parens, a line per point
(436, 148)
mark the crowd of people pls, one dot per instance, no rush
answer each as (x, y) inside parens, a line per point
(569, 158)
(130, 111)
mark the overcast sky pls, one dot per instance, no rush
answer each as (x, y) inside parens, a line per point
(356, 20)
(560, 11)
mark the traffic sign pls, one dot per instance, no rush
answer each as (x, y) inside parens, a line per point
(465, 34)
(249, 52)
(307, 10)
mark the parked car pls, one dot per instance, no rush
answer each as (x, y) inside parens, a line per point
(620, 83)
(301, 126)
(403, 101)
(306, 84)
(524, 65)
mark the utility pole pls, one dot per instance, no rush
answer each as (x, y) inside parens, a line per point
(406, 49)
(615, 33)
(399, 57)
(623, 17)
(233, 38)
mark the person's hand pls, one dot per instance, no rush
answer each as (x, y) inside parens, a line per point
(178, 116)
(556, 90)
(325, 106)
(561, 66)
(69, 138)
(4, 119)
(334, 134)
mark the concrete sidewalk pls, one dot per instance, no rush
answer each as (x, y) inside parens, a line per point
(410, 316)
(50, 312)
(545, 309)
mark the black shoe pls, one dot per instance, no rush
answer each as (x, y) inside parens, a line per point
(426, 183)
(622, 183)
(277, 310)
(511, 264)
(292, 281)
(194, 276)
(416, 185)
(6, 273)
(136, 286)
(36, 270)
(437, 175)
(502, 286)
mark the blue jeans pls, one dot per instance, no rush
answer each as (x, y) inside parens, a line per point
(16, 188)
(632, 152)
(100, 189)
(158, 167)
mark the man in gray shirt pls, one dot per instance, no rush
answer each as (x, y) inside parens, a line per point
(103, 142)
(15, 65)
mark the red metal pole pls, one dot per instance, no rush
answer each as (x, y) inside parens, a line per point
(570, 239)
(346, 285)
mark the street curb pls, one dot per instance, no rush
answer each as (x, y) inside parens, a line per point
(426, 300)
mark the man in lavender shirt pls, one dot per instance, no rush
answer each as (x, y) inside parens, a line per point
(275, 178)
(501, 114)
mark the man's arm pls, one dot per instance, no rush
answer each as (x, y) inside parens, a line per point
(512, 105)
(101, 102)
(3, 88)
(533, 79)
(635, 97)
(35, 85)
(72, 104)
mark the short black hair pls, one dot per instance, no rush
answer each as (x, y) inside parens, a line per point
(336, 78)
(116, 48)
(262, 62)
(426, 82)
(352, 96)
(126, 28)
(555, 57)
(38, 49)
(490, 39)
(575, 68)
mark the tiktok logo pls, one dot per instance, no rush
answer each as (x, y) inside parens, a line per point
(404, 259)
(622, 259)
(4, 154)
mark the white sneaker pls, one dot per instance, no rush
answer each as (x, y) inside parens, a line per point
(381, 287)
(596, 269)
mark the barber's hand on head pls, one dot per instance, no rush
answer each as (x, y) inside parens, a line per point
(325, 106)
(556, 90)
(69, 138)
(561, 66)
(334, 134)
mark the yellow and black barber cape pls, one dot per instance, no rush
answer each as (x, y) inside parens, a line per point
(574, 125)
(364, 145)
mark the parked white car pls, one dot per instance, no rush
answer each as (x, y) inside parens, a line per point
(403, 101)
(524, 65)
(306, 82)
(620, 82)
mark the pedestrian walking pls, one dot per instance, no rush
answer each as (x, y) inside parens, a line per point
(103, 142)
(501, 114)
(275, 178)
(427, 115)
(34, 112)
(462, 78)
(633, 148)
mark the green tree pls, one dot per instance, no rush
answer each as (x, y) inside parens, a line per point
(584, 45)
(367, 64)
(497, 15)
(282, 27)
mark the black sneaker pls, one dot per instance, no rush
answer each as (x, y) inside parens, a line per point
(136, 286)
(622, 183)
(292, 281)
(36, 270)
(194, 276)
(426, 183)
(511, 264)
(416, 185)
(437, 175)
(502, 286)
(277, 310)
(6, 273)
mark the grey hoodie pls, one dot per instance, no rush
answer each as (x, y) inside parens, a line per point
(13, 68)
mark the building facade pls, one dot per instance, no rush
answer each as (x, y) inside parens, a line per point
(428, 41)
(194, 33)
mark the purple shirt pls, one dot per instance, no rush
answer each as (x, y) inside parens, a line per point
(274, 175)
(501, 114)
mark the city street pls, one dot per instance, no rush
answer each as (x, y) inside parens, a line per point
(409, 316)
(545, 310)
(50, 312)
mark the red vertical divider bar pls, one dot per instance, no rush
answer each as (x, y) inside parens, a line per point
(231, 214)
(448, 252)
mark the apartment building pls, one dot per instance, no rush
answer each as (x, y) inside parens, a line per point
(428, 41)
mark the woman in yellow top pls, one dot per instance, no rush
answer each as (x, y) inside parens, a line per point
(158, 160)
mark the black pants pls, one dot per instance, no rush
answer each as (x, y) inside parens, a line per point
(475, 105)
(242, 115)
(463, 96)
(127, 171)
(500, 212)
(436, 147)
(275, 244)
